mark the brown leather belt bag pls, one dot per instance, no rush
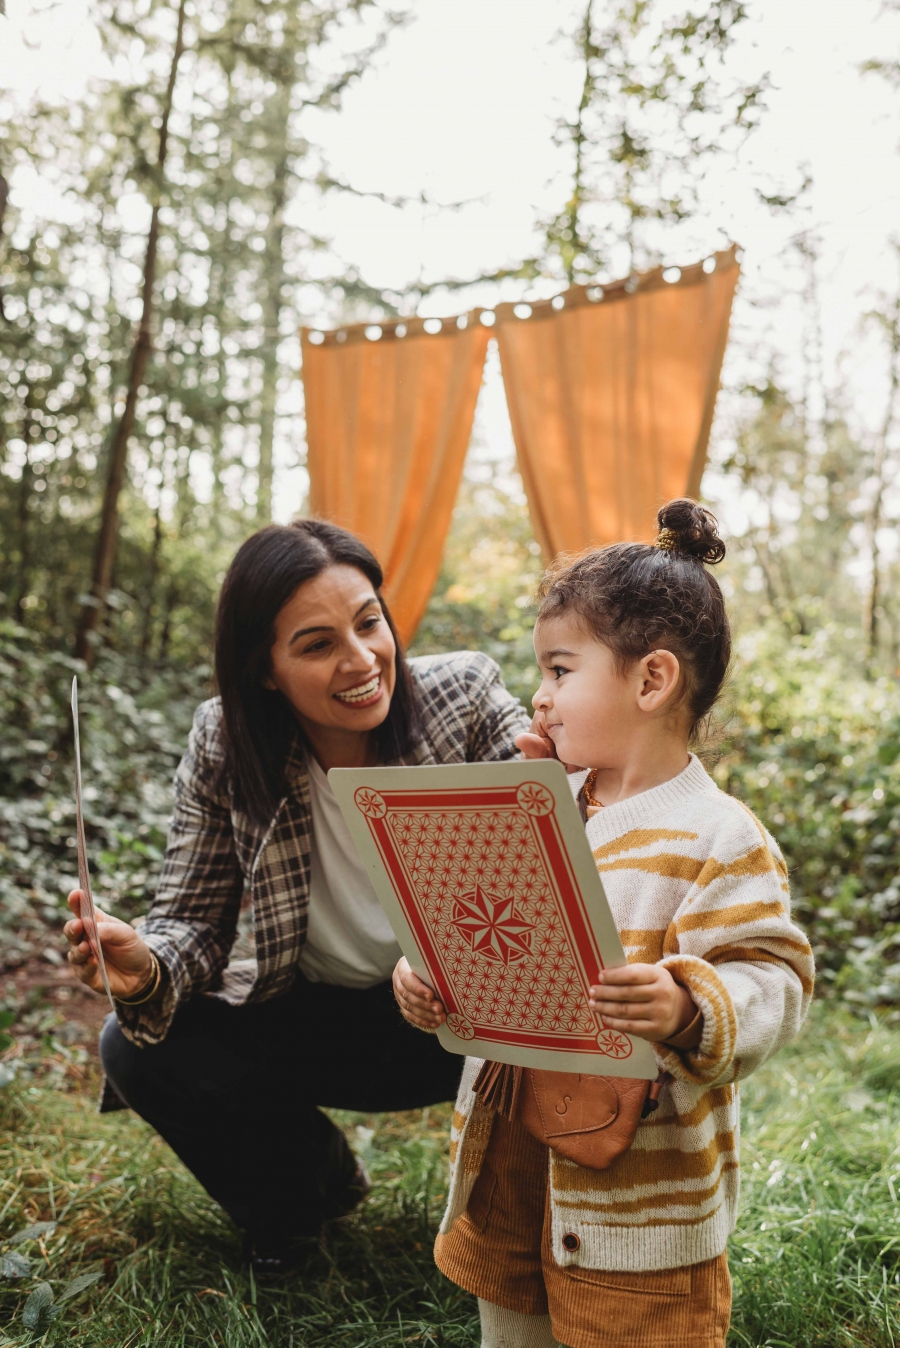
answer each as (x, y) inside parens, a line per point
(588, 1119)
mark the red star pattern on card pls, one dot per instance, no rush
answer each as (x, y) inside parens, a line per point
(481, 873)
(492, 926)
(483, 886)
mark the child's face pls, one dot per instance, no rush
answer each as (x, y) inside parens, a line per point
(591, 710)
(586, 703)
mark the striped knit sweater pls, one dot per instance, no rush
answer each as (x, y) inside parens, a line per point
(695, 883)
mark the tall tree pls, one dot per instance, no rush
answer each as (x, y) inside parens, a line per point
(803, 490)
(232, 271)
(277, 83)
(884, 458)
(108, 534)
(655, 104)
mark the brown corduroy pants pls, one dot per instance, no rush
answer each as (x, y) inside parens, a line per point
(500, 1251)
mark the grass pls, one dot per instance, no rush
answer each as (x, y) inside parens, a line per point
(816, 1260)
(816, 1257)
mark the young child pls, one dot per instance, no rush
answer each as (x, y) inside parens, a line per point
(633, 646)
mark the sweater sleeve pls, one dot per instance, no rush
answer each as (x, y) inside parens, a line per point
(747, 966)
(193, 921)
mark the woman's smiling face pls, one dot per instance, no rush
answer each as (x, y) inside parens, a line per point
(334, 656)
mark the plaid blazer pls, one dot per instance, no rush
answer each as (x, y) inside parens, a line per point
(216, 856)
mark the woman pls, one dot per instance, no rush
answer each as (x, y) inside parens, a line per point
(230, 1061)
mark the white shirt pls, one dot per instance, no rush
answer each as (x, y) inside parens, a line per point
(349, 940)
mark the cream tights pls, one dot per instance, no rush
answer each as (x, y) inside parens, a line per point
(501, 1328)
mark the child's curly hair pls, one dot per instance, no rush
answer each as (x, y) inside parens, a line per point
(638, 597)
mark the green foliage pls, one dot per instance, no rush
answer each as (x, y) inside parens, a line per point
(655, 105)
(816, 487)
(806, 486)
(235, 273)
(36, 1231)
(816, 1256)
(43, 1307)
(135, 722)
(39, 1312)
(815, 753)
(483, 599)
(14, 1266)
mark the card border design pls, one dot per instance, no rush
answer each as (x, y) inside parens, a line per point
(538, 803)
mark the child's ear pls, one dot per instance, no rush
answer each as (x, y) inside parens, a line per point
(660, 675)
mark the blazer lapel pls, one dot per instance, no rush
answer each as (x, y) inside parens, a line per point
(279, 885)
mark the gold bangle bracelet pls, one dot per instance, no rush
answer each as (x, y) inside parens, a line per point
(151, 986)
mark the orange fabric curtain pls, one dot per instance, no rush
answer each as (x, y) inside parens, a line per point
(388, 420)
(611, 393)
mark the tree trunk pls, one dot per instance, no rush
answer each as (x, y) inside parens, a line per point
(108, 536)
(4, 194)
(892, 328)
(166, 633)
(272, 304)
(26, 486)
(217, 308)
(152, 573)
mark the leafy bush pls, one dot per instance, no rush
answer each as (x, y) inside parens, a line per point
(483, 597)
(134, 727)
(815, 752)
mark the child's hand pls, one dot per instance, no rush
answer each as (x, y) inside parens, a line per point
(416, 1000)
(536, 743)
(643, 1000)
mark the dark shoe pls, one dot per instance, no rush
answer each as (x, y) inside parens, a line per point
(274, 1257)
(351, 1195)
(271, 1261)
(272, 1268)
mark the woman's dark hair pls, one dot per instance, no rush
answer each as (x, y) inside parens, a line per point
(638, 597)
(259, 725)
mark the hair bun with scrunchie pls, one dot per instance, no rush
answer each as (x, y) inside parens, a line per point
(687, 528)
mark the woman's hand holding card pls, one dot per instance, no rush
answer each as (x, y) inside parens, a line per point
(128, 961)
(416, 1000)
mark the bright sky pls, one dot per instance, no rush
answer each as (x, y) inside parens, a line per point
(462, 105)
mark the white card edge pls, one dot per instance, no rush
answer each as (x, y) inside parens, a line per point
(641, 1063)
(81, 843)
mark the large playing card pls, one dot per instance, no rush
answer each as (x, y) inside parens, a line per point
(87, 914)
(487, 878)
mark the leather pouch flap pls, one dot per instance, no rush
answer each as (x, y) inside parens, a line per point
(570, 1102)
(589, 1120)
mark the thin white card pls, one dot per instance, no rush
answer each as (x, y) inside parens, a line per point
(88, 913)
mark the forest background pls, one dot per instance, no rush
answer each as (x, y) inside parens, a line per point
(164, 236)
(151, 294)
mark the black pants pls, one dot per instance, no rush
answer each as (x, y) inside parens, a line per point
(234, 1091)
